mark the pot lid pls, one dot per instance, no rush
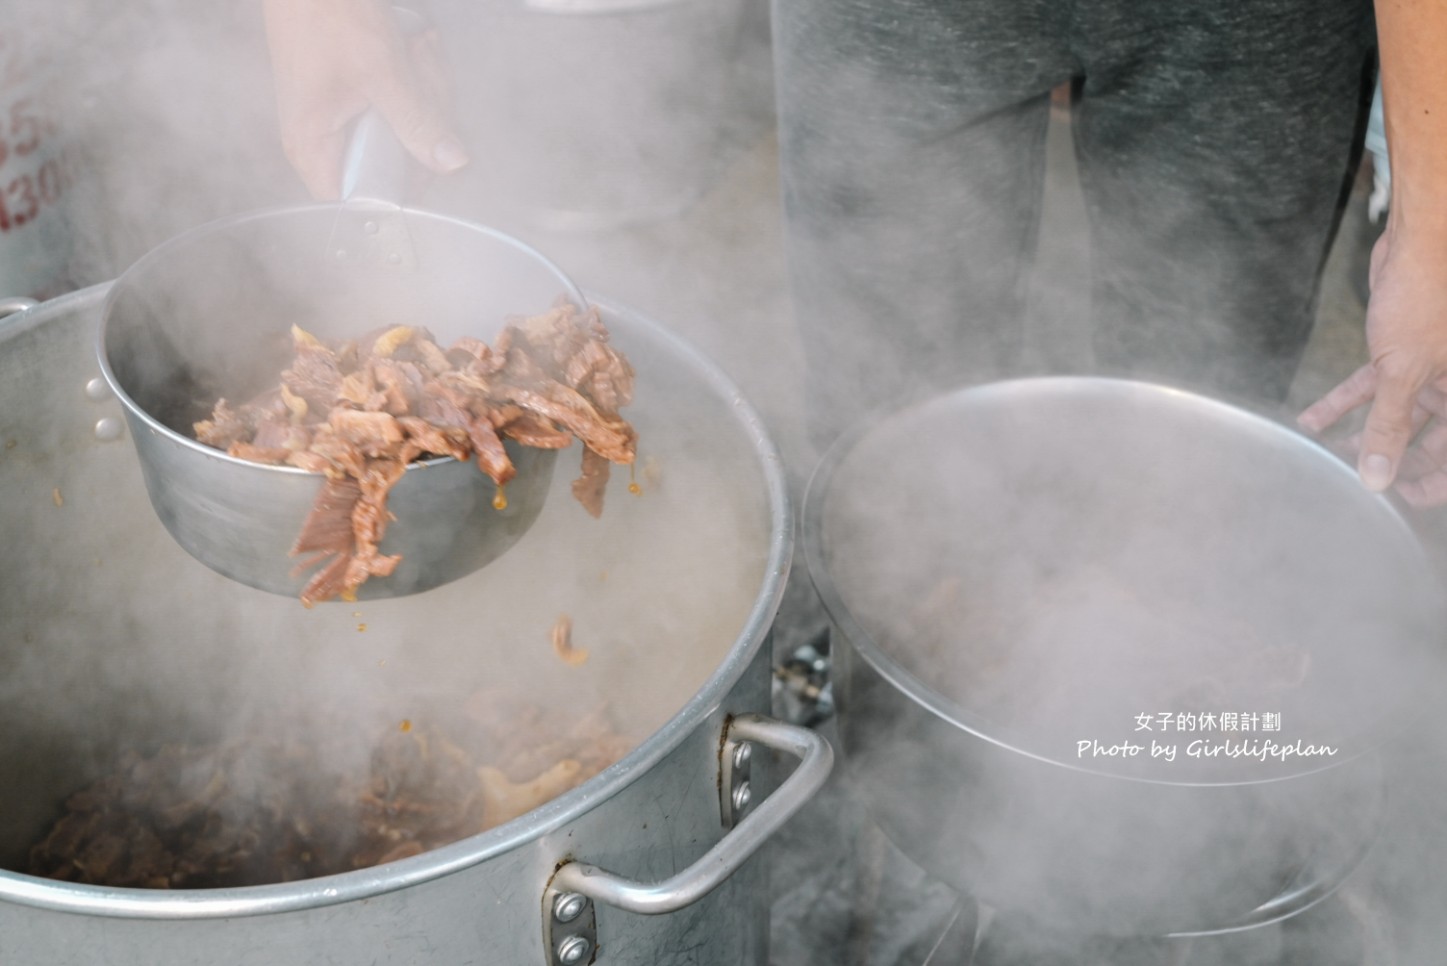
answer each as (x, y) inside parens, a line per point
(1095, 572)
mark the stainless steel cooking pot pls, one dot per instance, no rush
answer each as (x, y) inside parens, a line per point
(113, 638)
(1128, 651)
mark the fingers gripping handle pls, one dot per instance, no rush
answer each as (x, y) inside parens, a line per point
(375, 165)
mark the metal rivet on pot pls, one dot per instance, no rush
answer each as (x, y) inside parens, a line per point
(370, 227)
(742, 796)
(569, 906)
(108, 429)
(394, 259)
(572, 950)
(97, 389)
(742, 754)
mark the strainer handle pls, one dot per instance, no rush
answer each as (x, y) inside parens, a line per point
(375, 165)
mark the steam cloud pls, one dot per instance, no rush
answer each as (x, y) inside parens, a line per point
(168, 116)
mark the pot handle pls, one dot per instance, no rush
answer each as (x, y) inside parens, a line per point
(370, 231)
(567, 911)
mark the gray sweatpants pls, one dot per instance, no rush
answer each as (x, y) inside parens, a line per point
(1215, 141)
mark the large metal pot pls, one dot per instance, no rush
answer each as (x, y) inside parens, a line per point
(111, 638)
(1024, 577)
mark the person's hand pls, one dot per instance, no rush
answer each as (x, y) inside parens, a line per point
(1406, 381)
(334, 59)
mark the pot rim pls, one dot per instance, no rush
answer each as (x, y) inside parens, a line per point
(194, 904)
(864, 644)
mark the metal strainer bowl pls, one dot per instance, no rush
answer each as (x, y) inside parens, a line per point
(208, 315)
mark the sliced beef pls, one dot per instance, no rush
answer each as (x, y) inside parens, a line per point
(374, 433)
(328, 527)
(436, 439)
(360, 411)
(613, 439)
(315, 374)
(589, 486)
(225, 427)
(530, 429)
(273, 807)
(492, 458)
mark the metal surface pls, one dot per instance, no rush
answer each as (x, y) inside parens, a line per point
(735, 795)
(375, 165)
(700, 878)
(10, 306)
(372, 236)
(803, 685)
(111, 638)
(995, 492)
(207, 315)
(956, 945)
(571, 931)
(371, 231)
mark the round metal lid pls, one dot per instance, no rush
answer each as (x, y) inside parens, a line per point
(1086, 570)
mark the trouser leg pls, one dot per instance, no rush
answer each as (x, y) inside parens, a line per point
(1216, 144)
(911, 138)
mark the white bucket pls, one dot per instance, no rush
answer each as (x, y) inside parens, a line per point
(591, 114)
(35, 179)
